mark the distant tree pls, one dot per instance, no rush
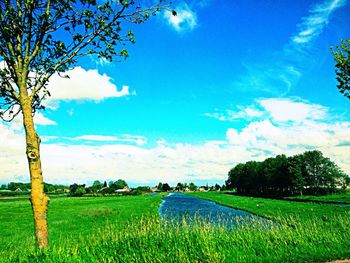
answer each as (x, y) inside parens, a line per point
(314, 165)
(179, 187)
(347, 179)
(77, 190)
(3, 186)
(342, 58)
(296, 174)
(192, 187)
(80, 191)
(73, 188)
(217, 187)
(166, 187)
(51, 188)
(11, 186)
(41, 38)
(144, 189)
(235, 178)
(104, 184)
(119, 184)
(160, 186)
(97, 185)
(281, 176)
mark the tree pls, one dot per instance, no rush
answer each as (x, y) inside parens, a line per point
(179, 187)
(44, 37)
(341, 56)
(166, 187)
(217, 187)
(296, 174)
(97, 185)
(77, 189)
(120, 184)
(160, 186)
(192, 187)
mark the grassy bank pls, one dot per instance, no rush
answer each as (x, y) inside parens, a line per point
(69, 218)
(336, 198)
(274, 208)
(128, 229)
(151, 241)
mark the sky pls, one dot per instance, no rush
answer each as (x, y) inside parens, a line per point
(223, 82)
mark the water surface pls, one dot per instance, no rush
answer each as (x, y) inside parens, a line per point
(178, 206)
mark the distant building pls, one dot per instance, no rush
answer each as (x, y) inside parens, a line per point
(123, 190)
(18, 190)
(202, 189)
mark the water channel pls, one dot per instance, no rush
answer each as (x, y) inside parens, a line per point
(178, 207)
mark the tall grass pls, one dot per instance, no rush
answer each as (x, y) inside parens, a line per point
(153, 240)
(128, 229)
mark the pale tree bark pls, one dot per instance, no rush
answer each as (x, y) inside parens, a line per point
(39, 200)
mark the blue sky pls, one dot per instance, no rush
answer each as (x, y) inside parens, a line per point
(221, 83)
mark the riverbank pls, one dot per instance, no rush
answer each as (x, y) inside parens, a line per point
(273, 208)
(343, 198)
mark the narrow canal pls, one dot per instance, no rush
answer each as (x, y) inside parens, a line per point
(178, 207)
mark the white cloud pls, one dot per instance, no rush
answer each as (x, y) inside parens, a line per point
(126, 138)
(84, 85)
(313, 24)
(185, 20)
(293, 110)
(247, 113)
(275, 130)
(40, 119)
(275, 109)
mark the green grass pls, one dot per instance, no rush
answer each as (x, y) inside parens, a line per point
(274, 208)
(337, 198)
(70, 218)
(128, 229)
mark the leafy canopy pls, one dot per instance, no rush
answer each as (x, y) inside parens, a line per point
(342, 58)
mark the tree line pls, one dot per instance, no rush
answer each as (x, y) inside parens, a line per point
(26, 187)
(97, 187)
(307, 173)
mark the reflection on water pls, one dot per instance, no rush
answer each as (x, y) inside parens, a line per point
(178, 207)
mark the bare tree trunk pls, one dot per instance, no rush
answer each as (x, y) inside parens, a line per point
(38, 198)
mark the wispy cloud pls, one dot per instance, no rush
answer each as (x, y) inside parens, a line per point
(184, 20)
(204, 3)
(282, 70)
(274, 109)
(40, 119)
(313, 24)
(125, 138)
(247, 113)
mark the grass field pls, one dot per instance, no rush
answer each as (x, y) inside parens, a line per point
(128, 229)
(70, 218)
(275, 208)
(336, 198)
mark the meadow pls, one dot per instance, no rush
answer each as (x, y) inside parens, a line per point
(128, 229)
(335, 198)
